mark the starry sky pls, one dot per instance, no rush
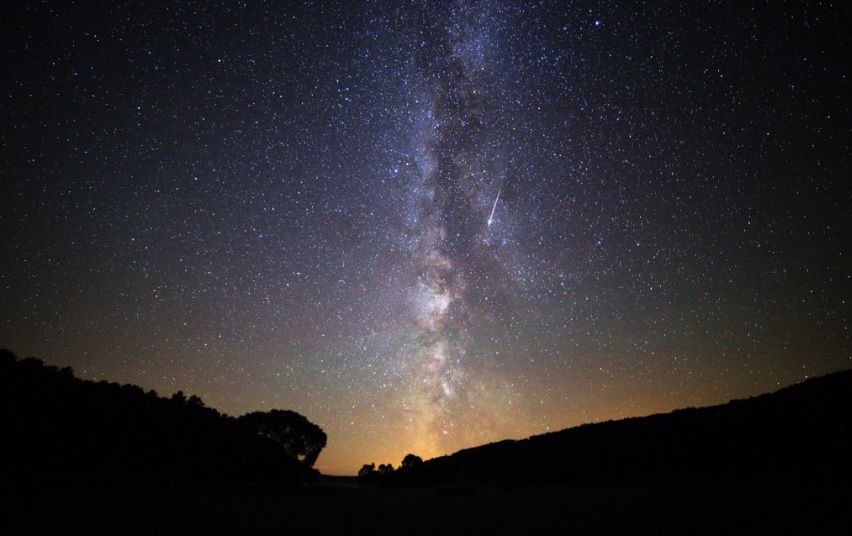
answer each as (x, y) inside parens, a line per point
(429, 225)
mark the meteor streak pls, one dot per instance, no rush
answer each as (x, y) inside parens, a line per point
(491, 217)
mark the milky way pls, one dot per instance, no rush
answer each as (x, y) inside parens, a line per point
(429, 225)
(457, 270)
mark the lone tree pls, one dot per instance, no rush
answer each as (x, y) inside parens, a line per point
(411, 460)
(301, 438)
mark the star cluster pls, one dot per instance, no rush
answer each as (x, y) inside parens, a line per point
(427, 226)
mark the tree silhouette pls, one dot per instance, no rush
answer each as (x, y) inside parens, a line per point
(367, 470)
(411, 460)
(301, 438)
(385, 469)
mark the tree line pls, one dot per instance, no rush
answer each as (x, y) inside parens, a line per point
(385, 472)
(64, 432)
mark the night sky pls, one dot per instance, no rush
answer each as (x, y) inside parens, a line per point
(429, 225)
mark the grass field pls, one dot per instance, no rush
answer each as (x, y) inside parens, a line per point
(718, 507)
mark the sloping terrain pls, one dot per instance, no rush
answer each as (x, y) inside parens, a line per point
(801, 431)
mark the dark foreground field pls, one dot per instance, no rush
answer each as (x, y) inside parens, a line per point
(720, 507)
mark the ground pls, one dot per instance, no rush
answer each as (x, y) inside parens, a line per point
(717, 507)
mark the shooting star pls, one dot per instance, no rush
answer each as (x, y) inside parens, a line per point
(491, 217)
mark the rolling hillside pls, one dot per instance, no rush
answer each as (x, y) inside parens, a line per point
(802, 431)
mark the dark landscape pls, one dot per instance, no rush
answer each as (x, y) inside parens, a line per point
(107, 458)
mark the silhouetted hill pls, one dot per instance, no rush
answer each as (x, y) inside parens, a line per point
(803, 431)
(60, 432)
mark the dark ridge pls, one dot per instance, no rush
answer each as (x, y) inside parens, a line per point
(64, 433)
(802, 431)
